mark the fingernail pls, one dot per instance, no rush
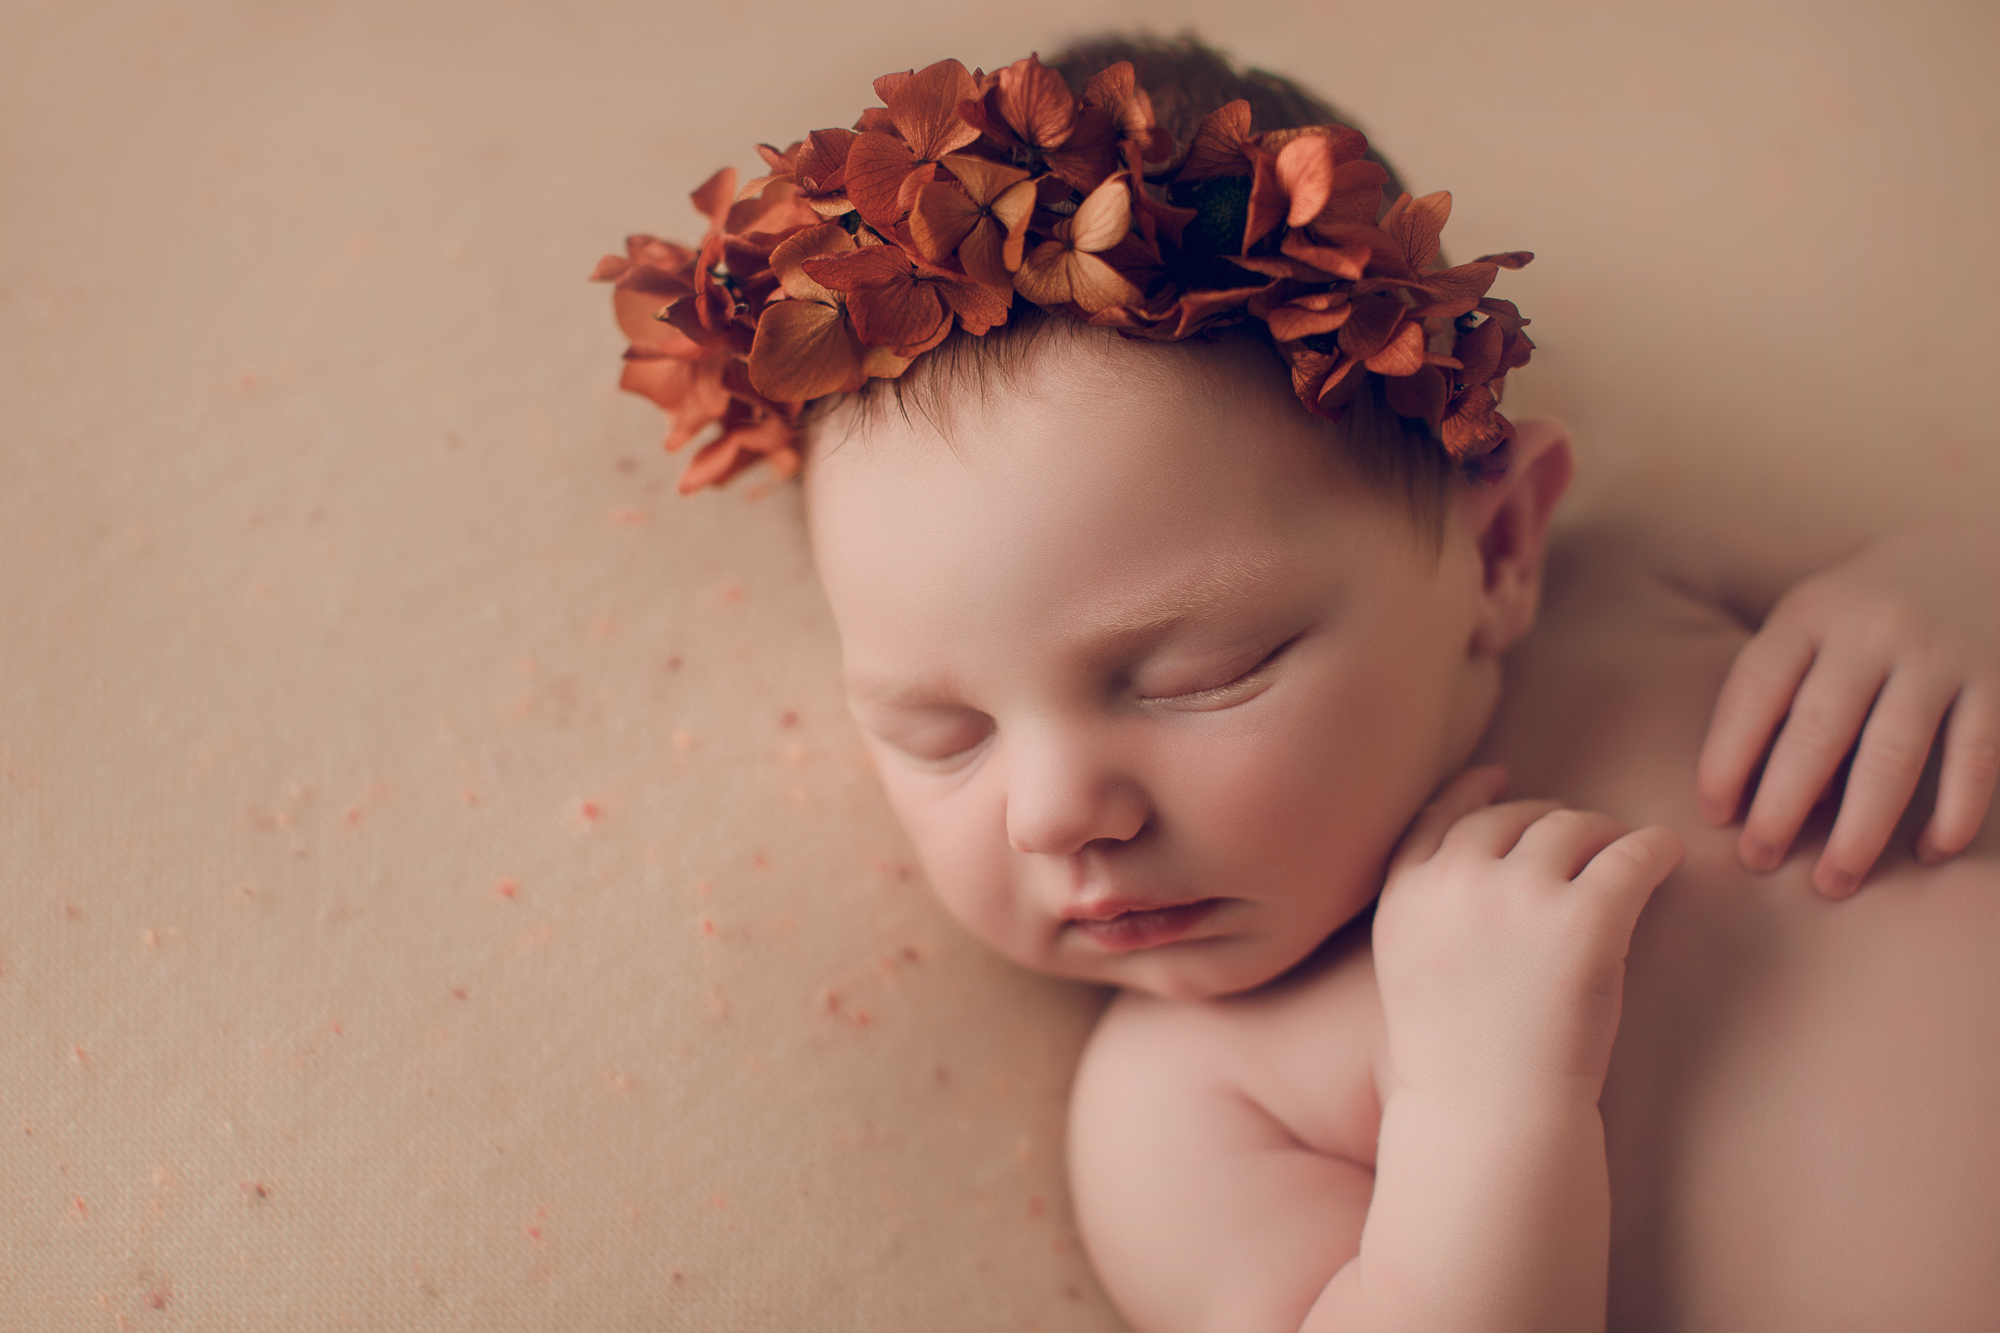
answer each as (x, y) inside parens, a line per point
(1928, 853)
(1835, 883)
(1758, 854)
(1712, 811)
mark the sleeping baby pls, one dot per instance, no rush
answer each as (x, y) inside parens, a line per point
(1509, 934)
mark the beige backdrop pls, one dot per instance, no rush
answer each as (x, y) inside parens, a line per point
(439, 886)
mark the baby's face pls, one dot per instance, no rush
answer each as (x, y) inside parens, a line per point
(1152, 681)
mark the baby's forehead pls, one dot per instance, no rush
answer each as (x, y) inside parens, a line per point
(1088, 373)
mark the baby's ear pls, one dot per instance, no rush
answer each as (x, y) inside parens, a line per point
(1507, 520)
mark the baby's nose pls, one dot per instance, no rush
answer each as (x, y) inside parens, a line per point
(1063, 794)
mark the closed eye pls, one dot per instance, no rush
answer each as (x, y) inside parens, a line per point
(938, 738)
(1235, 690)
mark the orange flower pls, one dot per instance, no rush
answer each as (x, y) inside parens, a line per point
(1116, 89)
(1066, 269)
(1175, 313)
(1315, 176)
(1472, 426)
(896, 301)
(885, 167)
(748, 437)
(983, 219)
(820, 171)
(1222, 145)
(664, 364)
(1029, 113)
(806, 347)
(950, 182)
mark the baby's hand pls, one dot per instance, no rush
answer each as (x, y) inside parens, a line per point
(1889, 647)
(1500, 942)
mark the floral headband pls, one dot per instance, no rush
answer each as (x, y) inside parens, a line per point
(863, 249)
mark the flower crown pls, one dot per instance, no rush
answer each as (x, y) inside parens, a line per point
(862, 249)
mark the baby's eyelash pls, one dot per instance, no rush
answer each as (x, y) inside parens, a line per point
(1219, 693)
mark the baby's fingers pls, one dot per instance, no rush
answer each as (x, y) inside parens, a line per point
(1754, 697)
(1629, 869)
(1971, 767)
(1887, 764)
(1825, 718)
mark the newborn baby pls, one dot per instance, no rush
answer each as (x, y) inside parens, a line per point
(1157, 683)
(1198, 678)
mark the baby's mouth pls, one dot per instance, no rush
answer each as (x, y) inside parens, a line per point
(1121, 931)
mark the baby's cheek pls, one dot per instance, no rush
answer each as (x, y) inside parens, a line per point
(960, 839)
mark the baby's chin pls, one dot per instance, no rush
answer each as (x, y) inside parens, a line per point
(1202, 969)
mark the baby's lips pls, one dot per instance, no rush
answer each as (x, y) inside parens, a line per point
(1145, 927)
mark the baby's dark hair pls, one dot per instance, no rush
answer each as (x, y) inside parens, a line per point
(1186, 79)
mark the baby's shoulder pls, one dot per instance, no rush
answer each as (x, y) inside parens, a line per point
(1209, 1138)
(1303, 1051)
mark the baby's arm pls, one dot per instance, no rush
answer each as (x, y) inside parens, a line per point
(1499, 948)
(1877, 655)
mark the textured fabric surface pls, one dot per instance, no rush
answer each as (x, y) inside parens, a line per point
(439, 885)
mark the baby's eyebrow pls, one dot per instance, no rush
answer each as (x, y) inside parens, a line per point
(1223, 583)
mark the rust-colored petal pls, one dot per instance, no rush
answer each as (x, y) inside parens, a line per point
(865, 266)
(977, 306)
(1090, 153)
(714, 196)
(1370, 326)
(1116, 89)
(907, 190)
(1044, 275)
(1324, 381)
(1308, 315)
(890, 301)
(1220, 145)
(641, 293)
(1267, 200)
(924, 105)
(1403, 354)
(804, 350)
(1305, 167)
(788, 260)
(1354, 196)
(883, 363)
(1344, 144)
(1416, 225)
(1036, 104)
(1173, 316)
(1421, 395)
(1478, 352)
(990, 254)
(775, 207)
(903, 315)
(1095, 285)
(1281, 266)
(743, 444)
(1011, 211)
(983, 114)
(783, 167)
(876, 166)
(820, 171)
(1055, 275)
(984, 181)
(656, 253)
(1344, 254)
(1471, 427)
(943, 216)
(1103, 219)
(664, 379)
(1508, 258)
